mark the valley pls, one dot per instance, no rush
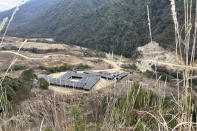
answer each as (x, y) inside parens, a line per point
(98, 65)
(65, 97)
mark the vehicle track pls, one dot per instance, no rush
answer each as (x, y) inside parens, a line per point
(29, 58)
(111, 62)
(180, 66)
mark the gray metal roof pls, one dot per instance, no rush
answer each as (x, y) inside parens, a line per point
(87, 80)
(121, 76)
(104, 75)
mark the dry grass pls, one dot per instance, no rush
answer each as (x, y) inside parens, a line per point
(3, 96)
(3, 23)
(183, 102)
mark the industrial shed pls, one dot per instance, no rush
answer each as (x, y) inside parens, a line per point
(103, 74)
(74, 80)
(85, 81)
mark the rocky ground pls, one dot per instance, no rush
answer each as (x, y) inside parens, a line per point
(152, 53)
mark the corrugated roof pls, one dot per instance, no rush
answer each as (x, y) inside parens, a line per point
(87, 80)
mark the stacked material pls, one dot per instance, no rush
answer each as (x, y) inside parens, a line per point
(121, 76)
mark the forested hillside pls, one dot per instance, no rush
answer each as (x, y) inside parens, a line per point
(108, 25)
(121, 26)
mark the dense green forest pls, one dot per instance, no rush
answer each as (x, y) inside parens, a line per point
(107, 25)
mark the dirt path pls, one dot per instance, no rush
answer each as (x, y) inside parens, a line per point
(115, 66)
(29, 58)
(67, 91)
(170, 64)
(111, 62)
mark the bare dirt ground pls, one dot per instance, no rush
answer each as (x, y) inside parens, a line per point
(152, 53)
(52, 59)
(65, 54)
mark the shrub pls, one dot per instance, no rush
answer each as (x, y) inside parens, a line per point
(28, 75)
(18, 67)
(162, 69)
(42, 68)
(101, 54)
(34, 50)
(54, 69)
(65, 67)
(162, 75)
(3, 48)
(129, 66)
(5, 104)
(48, 129)
(142, 98)
(16, 89)
(43, 84)
(11, 94)
(79, 124)
(14, 48)
(17, 84)
(51, 50)
(194, 81)
(127, 106)
(82, 66)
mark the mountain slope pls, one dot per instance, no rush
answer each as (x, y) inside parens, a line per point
(27, 14)
(121, 26)
(114, 26)
(41, 18)
(109, 25)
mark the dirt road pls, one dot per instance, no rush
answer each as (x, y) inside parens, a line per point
(111, 62)
(170, 64)
(30, 58)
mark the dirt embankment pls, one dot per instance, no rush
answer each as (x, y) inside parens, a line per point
(152, 53)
